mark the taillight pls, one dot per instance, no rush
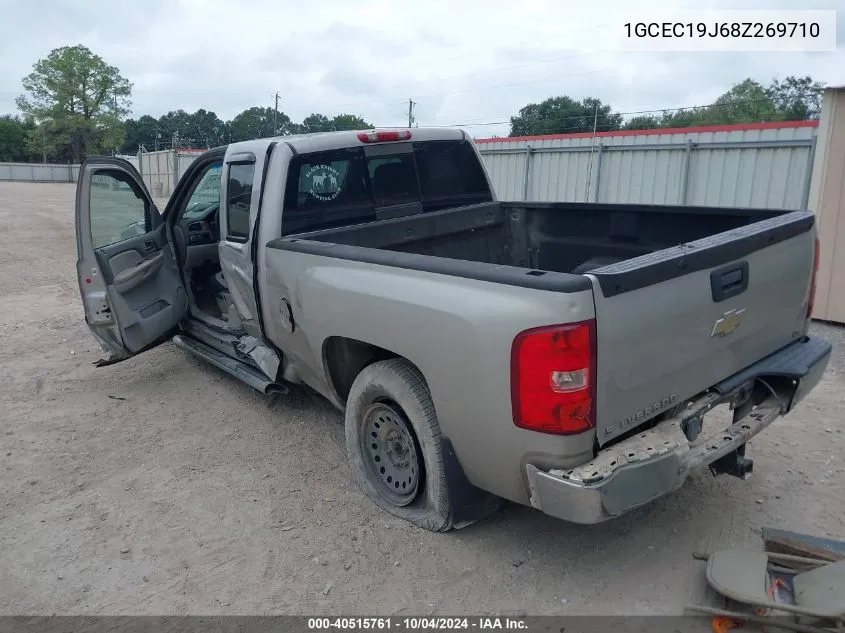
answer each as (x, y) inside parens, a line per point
(553, 378)
(384, 136)
(812, 299)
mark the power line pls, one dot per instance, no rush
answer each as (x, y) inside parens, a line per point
(507, 85)
(582, 117)
(442, 79)
(594, 120)
(556, 38)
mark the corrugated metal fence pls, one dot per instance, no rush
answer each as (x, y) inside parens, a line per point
(39, 172)
(765, 165)
(162, 170)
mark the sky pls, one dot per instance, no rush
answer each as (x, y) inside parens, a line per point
(471, 63)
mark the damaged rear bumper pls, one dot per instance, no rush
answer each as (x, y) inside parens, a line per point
(657, 461)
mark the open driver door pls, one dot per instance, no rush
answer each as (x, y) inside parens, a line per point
(132, 292)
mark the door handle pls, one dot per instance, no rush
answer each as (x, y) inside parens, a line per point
(128, 279)
(729, 281)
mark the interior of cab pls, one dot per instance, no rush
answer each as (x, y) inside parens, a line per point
(196, 232)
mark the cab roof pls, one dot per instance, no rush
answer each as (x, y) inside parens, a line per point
(326, 141)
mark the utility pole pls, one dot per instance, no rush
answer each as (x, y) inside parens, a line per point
(411, 105)
(276, 115)
(592, 144)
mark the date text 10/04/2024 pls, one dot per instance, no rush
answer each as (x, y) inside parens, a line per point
(416, 624)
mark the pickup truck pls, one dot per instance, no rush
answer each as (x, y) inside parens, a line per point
(562, 356)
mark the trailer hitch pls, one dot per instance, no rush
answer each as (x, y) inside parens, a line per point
(734, 463)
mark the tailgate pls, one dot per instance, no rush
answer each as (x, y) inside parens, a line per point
(673, 323)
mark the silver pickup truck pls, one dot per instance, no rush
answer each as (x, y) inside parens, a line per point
(562, 356)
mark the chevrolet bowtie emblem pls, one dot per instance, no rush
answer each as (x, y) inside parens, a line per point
(727, 323)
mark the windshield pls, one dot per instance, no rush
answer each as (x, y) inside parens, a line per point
(206, 194)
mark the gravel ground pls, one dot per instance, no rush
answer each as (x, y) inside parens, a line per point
(160, 485)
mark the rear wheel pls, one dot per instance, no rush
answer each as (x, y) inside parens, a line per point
(393, 444)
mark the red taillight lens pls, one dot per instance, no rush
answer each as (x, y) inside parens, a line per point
(384, 137)
(553, 378)
(812, 300)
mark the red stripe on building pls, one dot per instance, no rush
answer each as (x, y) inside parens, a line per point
(737, 127)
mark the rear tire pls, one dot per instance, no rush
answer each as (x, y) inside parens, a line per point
(393, 444)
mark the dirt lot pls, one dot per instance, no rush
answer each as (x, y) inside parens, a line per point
(160, 485)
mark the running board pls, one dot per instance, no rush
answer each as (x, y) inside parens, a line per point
(235, 368)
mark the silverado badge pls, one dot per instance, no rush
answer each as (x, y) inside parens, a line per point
(728, 322)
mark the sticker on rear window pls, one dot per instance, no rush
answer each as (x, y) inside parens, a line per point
(324, 181)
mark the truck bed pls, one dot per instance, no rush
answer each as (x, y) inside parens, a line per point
(670, 284)
(557, 237)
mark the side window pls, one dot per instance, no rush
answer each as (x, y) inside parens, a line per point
(239, 195)
(119, 209)
(207, 192)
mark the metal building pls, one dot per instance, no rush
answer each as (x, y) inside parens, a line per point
(162, 170)
(828, 203)
(752, 165)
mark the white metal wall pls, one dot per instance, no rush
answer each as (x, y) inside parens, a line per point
(39, 172)
(828, 203)
(162, 170)
(158, 170)
(765, 168)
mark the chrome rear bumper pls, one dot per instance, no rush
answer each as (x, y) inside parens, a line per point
(657, 461)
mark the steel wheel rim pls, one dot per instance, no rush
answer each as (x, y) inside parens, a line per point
(390, 453)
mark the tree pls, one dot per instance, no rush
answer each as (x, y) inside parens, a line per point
(794, 98)
(144, 131)
(350, 122)
(77, 100)
(322, 123)
(745, 102)
(206, 128)
(562, 115)
(176, 124)
(642, 122)
(13, 135)
(258, 122)
(797, 98)
(255, 122)
(317, 123)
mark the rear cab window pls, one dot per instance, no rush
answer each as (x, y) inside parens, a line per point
(356, 185)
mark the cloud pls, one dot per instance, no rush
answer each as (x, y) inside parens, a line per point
(469, 62)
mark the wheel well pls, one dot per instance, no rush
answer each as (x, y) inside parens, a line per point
(346, 357)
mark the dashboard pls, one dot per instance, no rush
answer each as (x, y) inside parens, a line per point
(201, 225)
(197, 234)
